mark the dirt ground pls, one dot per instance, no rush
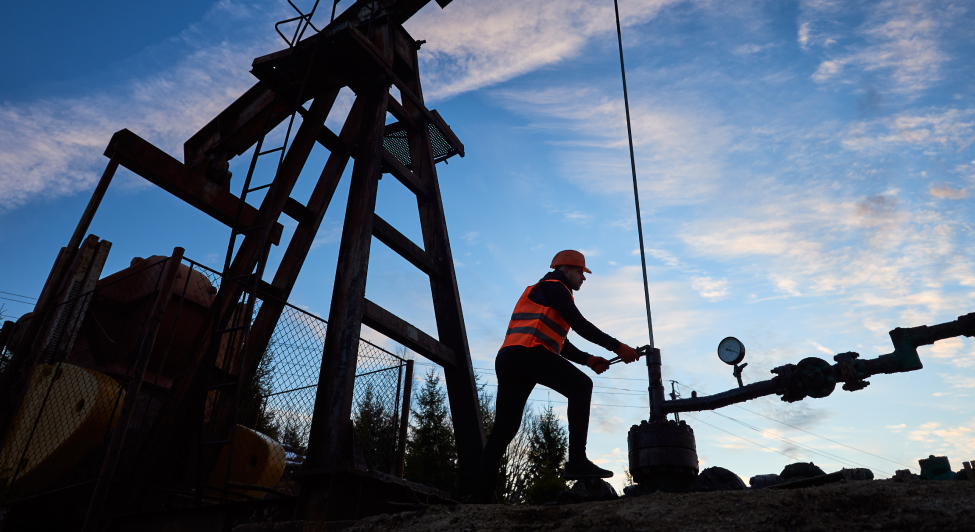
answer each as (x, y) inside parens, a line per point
(847, 505)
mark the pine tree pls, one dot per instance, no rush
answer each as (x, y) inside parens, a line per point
(374, 429)
(486, 400)
(291, 435)
(431, 454)
(548, 444)
(255, 394)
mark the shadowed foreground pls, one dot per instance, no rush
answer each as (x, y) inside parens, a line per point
(858, 505)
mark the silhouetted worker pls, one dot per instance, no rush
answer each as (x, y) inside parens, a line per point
(536, 351)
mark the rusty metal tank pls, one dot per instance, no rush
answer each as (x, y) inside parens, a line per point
(663, 455)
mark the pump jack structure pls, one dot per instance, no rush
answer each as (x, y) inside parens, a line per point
(367, 50)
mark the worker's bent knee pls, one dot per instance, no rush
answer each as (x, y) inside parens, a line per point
(585, 383)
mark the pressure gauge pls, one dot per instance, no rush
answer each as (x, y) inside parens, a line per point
(731, 351)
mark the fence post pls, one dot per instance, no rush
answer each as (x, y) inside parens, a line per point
(404, 420)
(392, 450)
(165, 285)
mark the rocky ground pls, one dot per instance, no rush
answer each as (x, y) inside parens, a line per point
(847, 505)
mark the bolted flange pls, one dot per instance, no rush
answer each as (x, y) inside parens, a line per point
(663, 455)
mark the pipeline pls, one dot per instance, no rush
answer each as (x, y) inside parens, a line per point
(813, 377)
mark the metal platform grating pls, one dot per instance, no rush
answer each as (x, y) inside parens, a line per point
(397, 144)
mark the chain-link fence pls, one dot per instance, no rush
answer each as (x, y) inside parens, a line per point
(82, 361)
(71, 380)
(287, 381)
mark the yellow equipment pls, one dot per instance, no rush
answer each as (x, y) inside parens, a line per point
(66, 413)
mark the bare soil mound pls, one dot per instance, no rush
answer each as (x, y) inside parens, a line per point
(848, 505)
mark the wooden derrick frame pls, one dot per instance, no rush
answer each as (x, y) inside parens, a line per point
(367, 56)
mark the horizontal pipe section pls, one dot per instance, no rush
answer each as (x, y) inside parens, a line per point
(710, 402)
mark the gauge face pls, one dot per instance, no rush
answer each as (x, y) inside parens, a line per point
(731, 350)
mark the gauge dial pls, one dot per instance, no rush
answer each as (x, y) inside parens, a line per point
(731, 351)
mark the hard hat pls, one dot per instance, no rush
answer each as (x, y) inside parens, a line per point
(571, 258)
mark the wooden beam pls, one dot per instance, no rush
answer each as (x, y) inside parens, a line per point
(403, 246)
(329, 433)
(326, 137)
(349, 49)
(396, 109)
(238, 126)
(297, 211)
(222, 419)
(408, 95)
(404, 175)
(301, 242)
(188, 392)
(164, 171)
(399, 330)
(465, 408)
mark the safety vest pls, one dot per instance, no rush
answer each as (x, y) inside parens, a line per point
(535, 325)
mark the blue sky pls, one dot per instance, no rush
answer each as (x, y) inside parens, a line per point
(806, 175)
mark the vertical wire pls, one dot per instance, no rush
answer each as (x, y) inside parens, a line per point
(636, 192)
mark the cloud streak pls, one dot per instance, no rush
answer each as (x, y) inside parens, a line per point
(53, 147)
(471, 45)
(900, 42)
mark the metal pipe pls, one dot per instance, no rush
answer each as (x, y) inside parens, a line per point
(110, 460)
(711, 402)
(656, 388)
(636, 192)
(404, 420)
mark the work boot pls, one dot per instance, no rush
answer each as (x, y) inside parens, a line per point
(584, 469)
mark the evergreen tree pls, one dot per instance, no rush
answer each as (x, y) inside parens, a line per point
(548, 444)
(431, 454)
(291, 435)
(374, 429)
(254, 397)
(486, 400)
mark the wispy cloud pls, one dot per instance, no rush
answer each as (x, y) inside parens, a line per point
(873, 252)
(475, 44)
(821, 348)
(900, 41)
(946, 192)
(709, 288)
(932, 129)
(958, 352)
(946, 440)
(680, 151)
(53, 147)
(751, 49)
(614, 302)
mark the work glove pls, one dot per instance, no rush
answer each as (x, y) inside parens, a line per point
(626, 353)
(597, 364)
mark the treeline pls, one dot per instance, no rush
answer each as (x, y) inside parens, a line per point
(531, 469)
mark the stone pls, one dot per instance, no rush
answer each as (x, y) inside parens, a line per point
(763, 481)
(799, 471)
(717, 479)
(588, 490)
(936, 468)
(857, 473)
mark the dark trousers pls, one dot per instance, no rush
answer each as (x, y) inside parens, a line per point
(519, 370)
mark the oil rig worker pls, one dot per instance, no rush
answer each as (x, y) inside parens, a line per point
(536, 351)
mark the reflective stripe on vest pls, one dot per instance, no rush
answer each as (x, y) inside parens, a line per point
(534, 325)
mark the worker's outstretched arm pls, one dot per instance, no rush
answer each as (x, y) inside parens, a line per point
(558, 297)
(573, 353)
